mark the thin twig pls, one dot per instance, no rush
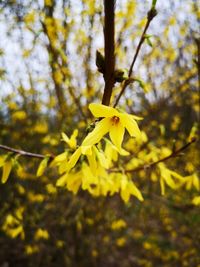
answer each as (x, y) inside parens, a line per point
(24, 153)
(148, 166)
(150, 15)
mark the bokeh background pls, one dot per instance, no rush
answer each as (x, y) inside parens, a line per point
(48, 77)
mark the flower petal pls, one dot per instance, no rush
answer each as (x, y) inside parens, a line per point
(74, 181)
(102, 158)
(99, 110)
(116, 134)
(92, 163)
(7, 167)
(135, 117)
(73, 160)
(86, 150)
(96, 135)
(135, 191)
(131, 125)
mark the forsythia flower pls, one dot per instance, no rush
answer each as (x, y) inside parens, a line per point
(93, 175)
(113, 122)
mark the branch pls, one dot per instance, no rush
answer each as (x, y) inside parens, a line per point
(24, 153)
(109, 48)
(197, 40)
(150, 15)
(151, 165)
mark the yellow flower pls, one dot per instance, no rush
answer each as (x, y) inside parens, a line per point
(113, 122)
(129, 188)
(94, 157)
(72, 140)
(196, 200)
(41, 234)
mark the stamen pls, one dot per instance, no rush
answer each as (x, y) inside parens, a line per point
(115, 120)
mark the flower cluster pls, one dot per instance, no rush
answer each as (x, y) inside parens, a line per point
(90, 166)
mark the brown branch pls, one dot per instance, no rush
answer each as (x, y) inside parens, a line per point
(24, 153)
(148, 166)
(150, 15)
(109, 48)
(54, 58)
(197, 40)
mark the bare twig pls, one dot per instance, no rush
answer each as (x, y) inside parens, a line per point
(24, 153)
(77, 102)
(109, 48)
(150, 15)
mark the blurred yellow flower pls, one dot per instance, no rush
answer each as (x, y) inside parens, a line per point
(41, 234)
(196, 201)
(121, 241)
(118, 224)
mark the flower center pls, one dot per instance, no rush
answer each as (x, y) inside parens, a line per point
(114, 120)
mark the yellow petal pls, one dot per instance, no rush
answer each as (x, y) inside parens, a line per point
(135, 191)
(86, 150)
(131, 125)
(196, 200)
(62, 180)
(123, 152)
(73, 160)
(135, 117)
(74, 181)
(65, 138)
(162, 186)
(72, 140)
(58, 159)
(72, 143)
(116, 134)
(99, 110)
(124, 182)
(42, 166)
(110, 151)
(7, 167)
(102, 158)
(176, 175)
(125, 195)
(88, 179)
(92, 163)
(169, 181)
(96, 135)
(71, 180)
(2, 160)
(63, 166)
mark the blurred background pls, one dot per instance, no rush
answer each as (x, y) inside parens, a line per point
(48, 77)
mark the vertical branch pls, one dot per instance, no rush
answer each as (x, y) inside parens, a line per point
(109, 48)
(54, 56)
(150, 15)
(197, 40)
(88, 72)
